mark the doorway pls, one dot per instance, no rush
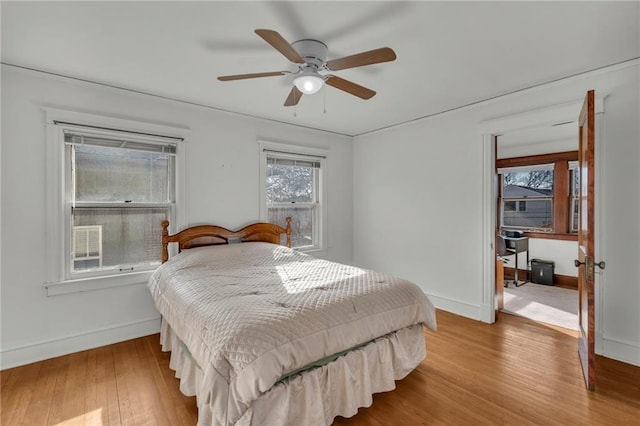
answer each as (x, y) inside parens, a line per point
(491, 130)
(536, 223)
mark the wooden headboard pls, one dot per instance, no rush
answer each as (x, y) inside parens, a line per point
(206, 235)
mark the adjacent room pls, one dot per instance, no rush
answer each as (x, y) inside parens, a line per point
(537, 198)
(265, 212)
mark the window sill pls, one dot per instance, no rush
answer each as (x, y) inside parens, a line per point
(314, 251)
(552, 236)
(96, 283)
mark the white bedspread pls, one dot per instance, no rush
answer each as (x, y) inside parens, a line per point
(250, 313)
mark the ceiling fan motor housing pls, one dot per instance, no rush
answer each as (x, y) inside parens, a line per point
(314, 52)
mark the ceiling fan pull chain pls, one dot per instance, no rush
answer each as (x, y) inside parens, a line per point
(324, 100)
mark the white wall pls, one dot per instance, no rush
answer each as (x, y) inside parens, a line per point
(418, 202)
(536, 148)
(560, 252)
(222, 188)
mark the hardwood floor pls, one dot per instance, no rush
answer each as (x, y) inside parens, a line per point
(513, 372)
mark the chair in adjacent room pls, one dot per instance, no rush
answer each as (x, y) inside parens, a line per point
(501, 252)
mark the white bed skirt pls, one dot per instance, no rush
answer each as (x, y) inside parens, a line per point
(316, 396)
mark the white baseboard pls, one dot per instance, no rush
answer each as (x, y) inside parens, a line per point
(456, 307)
(22, 355)
(628, 352)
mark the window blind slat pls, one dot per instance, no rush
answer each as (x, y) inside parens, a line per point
(291, 162)
(521, 169)
(80, 139)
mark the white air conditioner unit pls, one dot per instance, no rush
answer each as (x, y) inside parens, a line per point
(87, 246)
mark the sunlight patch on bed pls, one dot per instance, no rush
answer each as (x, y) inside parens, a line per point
(298, 277)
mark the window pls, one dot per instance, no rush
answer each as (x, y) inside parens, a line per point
(574, 191)
(118, 191)
(527, 198)
(109, 190)
(293, 188)
(539, 193)
(515, 206)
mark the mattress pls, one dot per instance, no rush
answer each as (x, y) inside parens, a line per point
(252, 313)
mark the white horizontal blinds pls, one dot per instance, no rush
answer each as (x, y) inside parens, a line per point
(525, 169)
(73, 138)
(293, 162)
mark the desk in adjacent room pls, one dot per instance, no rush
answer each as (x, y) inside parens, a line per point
(517, 245)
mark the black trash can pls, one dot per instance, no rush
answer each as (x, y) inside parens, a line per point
(542, 271)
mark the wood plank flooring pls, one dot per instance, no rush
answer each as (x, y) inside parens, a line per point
(514, 372)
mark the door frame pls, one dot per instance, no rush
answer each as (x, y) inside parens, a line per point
(489, 129)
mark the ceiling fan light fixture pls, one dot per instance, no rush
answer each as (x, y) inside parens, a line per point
(309, 83)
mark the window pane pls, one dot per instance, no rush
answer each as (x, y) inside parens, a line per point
(128, 237)
(527, 199)
(575, 182)
(287, 184)
(537, 213)
(509, 206)
(302, 220)
(533, 183)
(112, 174)
(574, 218)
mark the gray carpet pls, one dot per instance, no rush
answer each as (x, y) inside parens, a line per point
(543, 303)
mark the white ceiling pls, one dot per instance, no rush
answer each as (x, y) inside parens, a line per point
(450, 54)
(558, 137)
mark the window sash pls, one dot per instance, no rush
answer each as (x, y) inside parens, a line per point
(524, 213)
(315, 176)
(301, 236)
(575, 219)
(130, 252)
(81, 175)
(76, 268)
(308, 238)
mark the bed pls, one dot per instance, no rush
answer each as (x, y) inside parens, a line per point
(263, 334)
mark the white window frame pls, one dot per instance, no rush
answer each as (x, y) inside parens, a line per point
(58, 221)
(317, 154)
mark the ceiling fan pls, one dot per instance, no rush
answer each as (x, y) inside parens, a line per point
(314, 69)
